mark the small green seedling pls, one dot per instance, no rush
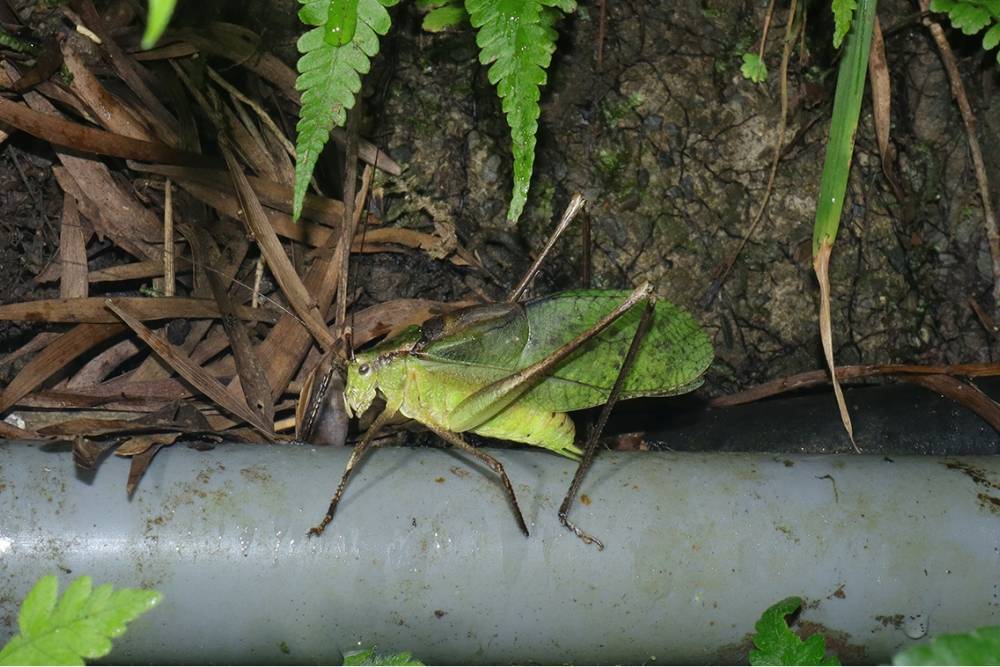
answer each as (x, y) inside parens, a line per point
(513, 370)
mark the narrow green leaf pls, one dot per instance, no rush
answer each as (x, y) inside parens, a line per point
(79, 626)
(754, 68)
(778, 645)
(157, 20)
(443, 18)
(341, 22)
(979, 647)
(843, 11)
(846, 110)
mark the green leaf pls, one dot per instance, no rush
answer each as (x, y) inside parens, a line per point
(443, 18)
(80, 625)
(368, 657)
(341, 22)
(979, 647)
(159, 15)
(330, 75)
(517, 39)
(843, 10)
(754, 68)
(778, 645)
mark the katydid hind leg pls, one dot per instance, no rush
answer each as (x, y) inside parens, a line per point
(590, 449)
(487, 402)
(493, 465)
(359, 451)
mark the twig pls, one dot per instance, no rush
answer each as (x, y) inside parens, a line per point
(813, 378)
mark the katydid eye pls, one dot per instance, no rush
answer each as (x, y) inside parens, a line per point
(363, 369)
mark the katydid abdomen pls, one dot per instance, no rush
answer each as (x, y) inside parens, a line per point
(431, 391)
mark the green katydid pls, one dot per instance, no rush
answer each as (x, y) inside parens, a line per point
(512, 371)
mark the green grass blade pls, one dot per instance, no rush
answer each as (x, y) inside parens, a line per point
(846, 110)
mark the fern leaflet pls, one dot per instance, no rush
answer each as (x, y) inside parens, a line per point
(335, 54)
(517, 38)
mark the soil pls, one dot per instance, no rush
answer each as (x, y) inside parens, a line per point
(671, 147)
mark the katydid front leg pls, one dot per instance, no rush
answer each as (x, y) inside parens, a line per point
(356, 456)
(484, 404)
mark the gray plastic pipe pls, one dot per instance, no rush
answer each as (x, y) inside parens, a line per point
(424, 554)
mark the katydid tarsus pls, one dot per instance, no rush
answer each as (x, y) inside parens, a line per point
(513, 370)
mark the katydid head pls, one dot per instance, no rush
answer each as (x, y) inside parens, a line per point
(361, 383)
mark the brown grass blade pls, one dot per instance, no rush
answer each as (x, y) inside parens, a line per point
(821, 265)
(190, 371)
(92, 310)
(878, 75)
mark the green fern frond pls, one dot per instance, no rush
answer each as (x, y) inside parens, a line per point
(517, 38)
(334, 56)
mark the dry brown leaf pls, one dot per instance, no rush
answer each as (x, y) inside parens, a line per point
(253, 386)
(140, 461)
(73, 282)
(191, 372)
(322, 210)
(92, 310)
(164, 123)
(86, 139)
(86, 452)
(54, 358)
(107, 109)
(39, 341)
(281, 267)
(108, 223)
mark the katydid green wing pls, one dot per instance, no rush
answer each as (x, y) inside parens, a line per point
(672, 358)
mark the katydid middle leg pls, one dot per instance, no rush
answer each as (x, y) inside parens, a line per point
(359, 451)
(492, 464)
